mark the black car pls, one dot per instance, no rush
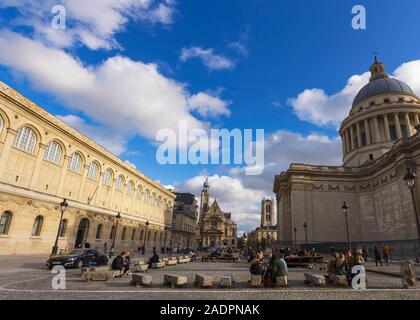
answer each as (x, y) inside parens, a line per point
(77, 258)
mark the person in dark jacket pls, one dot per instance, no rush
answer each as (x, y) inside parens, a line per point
(119, 262)
(378, 256)
(153, 259)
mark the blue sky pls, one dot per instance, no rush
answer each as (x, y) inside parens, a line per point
(260, 56)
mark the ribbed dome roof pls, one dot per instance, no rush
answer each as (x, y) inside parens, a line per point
(380, 86)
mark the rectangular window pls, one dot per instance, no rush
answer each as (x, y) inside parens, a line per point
(393, 132)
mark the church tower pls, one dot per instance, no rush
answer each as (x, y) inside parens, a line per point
(267, 213)
(204, 202)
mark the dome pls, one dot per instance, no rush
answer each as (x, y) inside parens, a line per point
(380, 86)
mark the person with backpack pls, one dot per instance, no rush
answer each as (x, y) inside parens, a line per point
(119, 263)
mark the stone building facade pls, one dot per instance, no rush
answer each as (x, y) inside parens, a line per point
(380, 142)
(43, 160)
(216, 228)
(184, 221)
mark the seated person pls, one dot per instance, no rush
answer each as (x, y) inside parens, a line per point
(153, 259)
(276, 268)
(257, 268)
(119, 262)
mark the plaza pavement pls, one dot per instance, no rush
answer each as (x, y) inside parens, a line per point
(28, 278)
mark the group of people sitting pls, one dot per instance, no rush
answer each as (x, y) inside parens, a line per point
(269, 270)
(122, 263)
(341, 264)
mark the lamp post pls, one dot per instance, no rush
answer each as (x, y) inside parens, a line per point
(295, 231)
(147, 235)
(117, 219)
(305, 225)
(345, 209)
(410, 180)
(63, 208)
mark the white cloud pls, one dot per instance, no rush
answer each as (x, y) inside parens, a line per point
(130, 97)
(211, 60)
(93, 23)
(316, 106)
(110, 140)
(207, 105)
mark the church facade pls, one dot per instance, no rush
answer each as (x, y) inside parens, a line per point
(379, 142)
(43, 161)
(216, 228)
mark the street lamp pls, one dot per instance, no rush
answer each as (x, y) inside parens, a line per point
(63, 208)
(305, 225)
(295, 231)
(117, 219)
(345, 209)
(147, 235)
(410, 180)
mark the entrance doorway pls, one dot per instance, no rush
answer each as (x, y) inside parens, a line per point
(82, 232)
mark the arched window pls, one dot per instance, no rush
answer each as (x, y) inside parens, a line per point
(107, 177)
(130, 188)
(92, 171)
(53, 152)
(75, 163)
(25, 139)
(63, 228)
(159, 201)
(133, 234)
(119, 183)
(147, 196)
(124, 231)
(5, 220)
(148, 236)
(141, 235)
(139, 192)
(36, 229)
(99, 231)
(160, 237)
(154, 237)
(112, 234)
(153, 199)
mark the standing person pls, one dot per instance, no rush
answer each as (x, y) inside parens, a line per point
(378, 256)
(386, 249)
(365, 253)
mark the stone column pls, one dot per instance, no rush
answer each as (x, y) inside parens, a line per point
(367, 131)
(82, 185)
(98, 191)
(124, 191)
(408, 124)
(5, 151)
(63, 176)
(351, 138)
(416, 119)
(397, 126)
(37, 167)
(376, 128)
(348, 145)
(359, 135)
(343, 144)
(386, 123)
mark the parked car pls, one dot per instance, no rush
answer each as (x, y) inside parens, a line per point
(77, 258)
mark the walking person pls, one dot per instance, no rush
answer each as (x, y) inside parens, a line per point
(378, 256)
(386, 249)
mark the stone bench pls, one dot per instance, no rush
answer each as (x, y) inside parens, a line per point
(281, 281)
(339, 281)
(165, 260)
(256, 281)
(183, 259)
(139, 280)
(226, 281)
(159, 264)
(174, 280)
(96, 274)
(315, 280)
(141, 268)
(172, 261)
(203, 281)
